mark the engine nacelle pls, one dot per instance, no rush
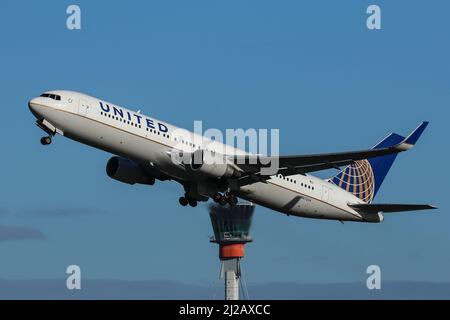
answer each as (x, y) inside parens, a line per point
(212, 165)
(127, 171)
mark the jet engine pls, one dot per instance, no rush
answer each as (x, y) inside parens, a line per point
(127, 171)
(212, 165)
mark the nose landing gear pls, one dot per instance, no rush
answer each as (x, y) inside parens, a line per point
(46, 140)
(49, 129)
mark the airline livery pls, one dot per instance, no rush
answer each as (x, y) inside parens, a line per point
(144, 150)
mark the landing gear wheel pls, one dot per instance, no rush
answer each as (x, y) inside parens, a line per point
(223, 201)
(46, 140)
(216, 197)
(193, 203)
(183, 201)
(230, 198)
(233, 200)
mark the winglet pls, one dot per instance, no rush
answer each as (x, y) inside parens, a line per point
(411, 140)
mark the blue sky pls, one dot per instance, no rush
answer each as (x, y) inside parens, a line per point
(310, 68)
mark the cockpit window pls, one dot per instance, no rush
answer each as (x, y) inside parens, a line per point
(51, 96)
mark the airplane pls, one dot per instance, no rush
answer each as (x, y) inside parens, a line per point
(143, 149)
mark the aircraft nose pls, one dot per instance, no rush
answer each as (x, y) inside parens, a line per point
(34, 106)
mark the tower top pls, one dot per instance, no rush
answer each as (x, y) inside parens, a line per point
(231, 224)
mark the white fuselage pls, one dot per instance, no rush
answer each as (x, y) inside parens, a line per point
(147, 140)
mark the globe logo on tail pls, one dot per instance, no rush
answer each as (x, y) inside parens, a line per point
(358, 179)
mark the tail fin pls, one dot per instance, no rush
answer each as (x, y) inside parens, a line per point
(364, 177)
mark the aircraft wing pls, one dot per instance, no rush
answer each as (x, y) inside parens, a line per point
(371, 208)
(252, 165)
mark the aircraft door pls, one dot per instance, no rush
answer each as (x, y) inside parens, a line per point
(325, 193)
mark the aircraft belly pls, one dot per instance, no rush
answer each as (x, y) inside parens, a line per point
(290, 202)
(278, 198)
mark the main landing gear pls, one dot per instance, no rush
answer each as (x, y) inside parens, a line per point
(222, 199)
(46, 140)
(225, 198)
(186, 200)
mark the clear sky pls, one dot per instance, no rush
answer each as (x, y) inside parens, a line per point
(310, 68)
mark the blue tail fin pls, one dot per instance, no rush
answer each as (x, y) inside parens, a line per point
(364, 177)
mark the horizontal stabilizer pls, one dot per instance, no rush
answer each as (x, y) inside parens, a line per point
(386, 208)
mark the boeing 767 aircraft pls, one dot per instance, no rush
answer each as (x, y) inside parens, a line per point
(144, 149)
